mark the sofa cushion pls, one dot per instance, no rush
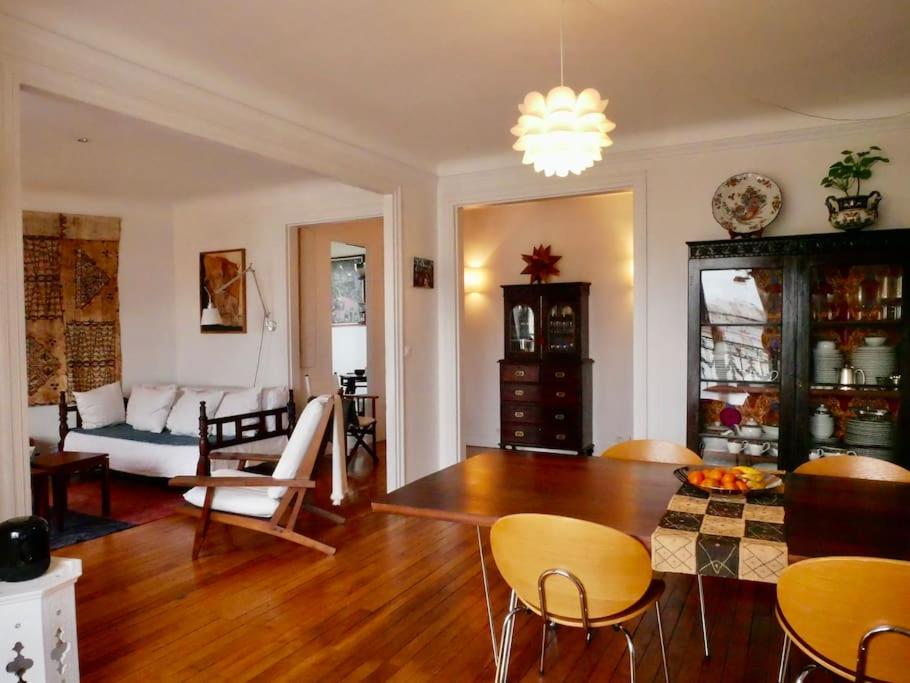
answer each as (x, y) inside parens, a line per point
(239, 402)
(274, 397)
(102, 406)
(148, 407)
(252, 501)
(184, 416)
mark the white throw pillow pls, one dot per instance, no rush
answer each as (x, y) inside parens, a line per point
(184, 416)
(239, 403)
(101, 407)
(148, 407)
(273, 397)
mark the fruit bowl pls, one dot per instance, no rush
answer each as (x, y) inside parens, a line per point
(728, 481)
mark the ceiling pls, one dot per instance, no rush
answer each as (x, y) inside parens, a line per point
(129, 158)
(436, 82)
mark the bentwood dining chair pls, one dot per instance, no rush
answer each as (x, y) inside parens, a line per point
(574, 573)
(850, 615)
(667, 452)
(855, 467)
(652, 450)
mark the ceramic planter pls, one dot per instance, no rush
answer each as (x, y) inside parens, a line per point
(853, 213)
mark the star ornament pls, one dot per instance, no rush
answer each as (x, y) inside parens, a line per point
(541, 264)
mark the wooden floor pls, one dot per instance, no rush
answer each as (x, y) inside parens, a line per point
(402, 600)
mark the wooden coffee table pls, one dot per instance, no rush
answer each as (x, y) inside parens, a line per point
(59, 467)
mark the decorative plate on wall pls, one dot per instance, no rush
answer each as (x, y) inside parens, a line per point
(746, 203)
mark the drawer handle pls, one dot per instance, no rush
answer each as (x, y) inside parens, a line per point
(560, 394)
(560, 437)
(519, 433)
(559, 416)
(559, 375)
(519, 392)
(519, 413)
(519, 373)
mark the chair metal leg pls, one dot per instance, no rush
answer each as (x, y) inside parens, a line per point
(704, 620)
(508, 624)
(784, 660)
(804, 674)
(631, 652)
(486, 594)
(663, 647)
(543, 646)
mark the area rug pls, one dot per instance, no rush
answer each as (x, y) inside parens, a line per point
(79, 527)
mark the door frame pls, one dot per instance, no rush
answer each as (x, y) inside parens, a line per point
(500, 189)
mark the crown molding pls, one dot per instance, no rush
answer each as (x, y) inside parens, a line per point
(511, 160)
(49, 61)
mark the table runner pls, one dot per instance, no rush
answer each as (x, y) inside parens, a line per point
(720, 535)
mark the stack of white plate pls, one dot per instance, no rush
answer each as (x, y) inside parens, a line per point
(869, 433)
(874, 361)
(880, 453)
(828, 363)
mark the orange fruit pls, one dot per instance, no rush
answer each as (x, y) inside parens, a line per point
(728, 481)
(742, 486)
(696, 477)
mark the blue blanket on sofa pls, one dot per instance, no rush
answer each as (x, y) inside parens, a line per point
(124, 431)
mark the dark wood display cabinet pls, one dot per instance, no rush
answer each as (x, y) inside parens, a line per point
(545, 377)
(799, 345)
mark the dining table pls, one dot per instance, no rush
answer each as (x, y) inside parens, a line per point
(824, 515)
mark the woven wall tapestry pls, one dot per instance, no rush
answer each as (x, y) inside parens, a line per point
(72, 303)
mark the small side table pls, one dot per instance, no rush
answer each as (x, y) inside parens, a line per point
(38, 625)
(59, 467)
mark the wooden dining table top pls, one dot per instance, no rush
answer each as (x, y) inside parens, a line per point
(824, 515)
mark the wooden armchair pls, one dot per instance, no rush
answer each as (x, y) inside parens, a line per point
(361, 423)
(260, 502)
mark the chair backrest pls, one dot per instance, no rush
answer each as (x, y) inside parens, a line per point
(855, 467)
(831, 602)
(299, 456)
(614, 568)
(652, 450)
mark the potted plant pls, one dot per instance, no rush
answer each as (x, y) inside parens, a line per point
(853, 211)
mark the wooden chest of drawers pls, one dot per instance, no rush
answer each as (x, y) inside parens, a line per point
(545, 377)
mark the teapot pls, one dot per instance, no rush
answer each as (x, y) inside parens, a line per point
(851, 375)
(749, 429)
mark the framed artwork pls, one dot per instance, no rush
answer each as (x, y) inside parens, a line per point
(216, 269)
(349, 290)
(423, 272)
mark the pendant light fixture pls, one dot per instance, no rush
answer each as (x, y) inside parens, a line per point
(562, 133)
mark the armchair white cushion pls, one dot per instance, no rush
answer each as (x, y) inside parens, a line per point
(252, 501)
(304, 432)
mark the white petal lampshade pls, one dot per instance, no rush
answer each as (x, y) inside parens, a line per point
(562, 133)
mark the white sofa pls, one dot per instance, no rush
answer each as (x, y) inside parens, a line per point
(171, 455)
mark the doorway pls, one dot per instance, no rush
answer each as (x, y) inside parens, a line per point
(593, 235)
(342, 316)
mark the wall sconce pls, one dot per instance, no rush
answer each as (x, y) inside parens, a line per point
(473, 280)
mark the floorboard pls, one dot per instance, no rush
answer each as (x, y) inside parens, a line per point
(402, 600)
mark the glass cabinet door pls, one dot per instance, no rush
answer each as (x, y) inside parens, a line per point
(856, 345)
(561, 327)
(522, 329)
(740, 354)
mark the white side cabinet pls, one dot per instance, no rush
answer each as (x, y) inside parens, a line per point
(38, 626)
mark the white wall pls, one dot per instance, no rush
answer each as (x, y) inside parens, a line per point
(146, 281)
(680, 183)
(349, 348)
(593, 234)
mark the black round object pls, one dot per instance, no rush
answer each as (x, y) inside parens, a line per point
(25, 550)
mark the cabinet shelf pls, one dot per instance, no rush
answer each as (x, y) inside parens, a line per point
(775, 323)
(826, 324)
(742, 387)
(853, 390)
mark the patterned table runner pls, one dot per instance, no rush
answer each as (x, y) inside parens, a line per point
(716, 535)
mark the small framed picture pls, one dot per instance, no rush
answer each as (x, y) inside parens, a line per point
(220, 286)
(423, 272)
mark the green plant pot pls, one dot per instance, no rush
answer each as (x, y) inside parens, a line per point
(853, 213)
